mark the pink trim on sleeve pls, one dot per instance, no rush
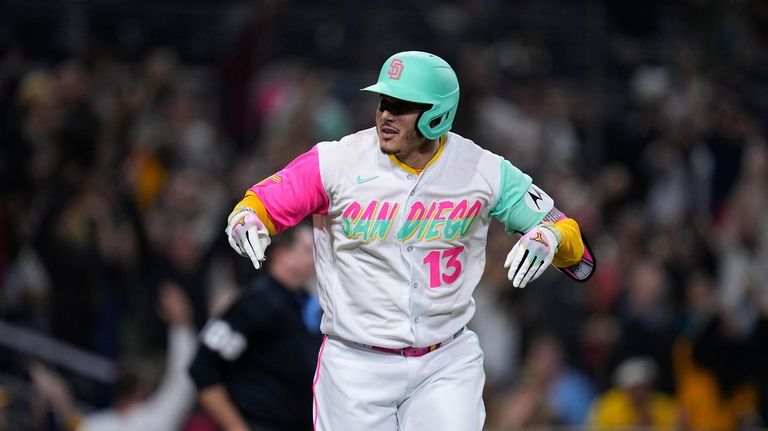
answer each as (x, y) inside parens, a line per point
(295, 192)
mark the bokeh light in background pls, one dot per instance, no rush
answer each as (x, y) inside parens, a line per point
(129, 128)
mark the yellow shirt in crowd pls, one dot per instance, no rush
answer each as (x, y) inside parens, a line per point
(615, 410)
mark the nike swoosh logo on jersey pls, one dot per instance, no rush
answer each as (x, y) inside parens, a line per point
(361, 180)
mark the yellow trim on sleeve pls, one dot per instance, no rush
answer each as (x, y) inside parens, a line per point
(253, 202)
(571, 248)
(410, 170)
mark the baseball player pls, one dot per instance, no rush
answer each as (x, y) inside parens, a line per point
(401, 214)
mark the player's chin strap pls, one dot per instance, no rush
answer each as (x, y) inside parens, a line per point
(582, 270)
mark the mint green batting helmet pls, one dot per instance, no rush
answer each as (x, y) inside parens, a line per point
(420, 77)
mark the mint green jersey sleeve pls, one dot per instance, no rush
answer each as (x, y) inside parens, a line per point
(511, 208)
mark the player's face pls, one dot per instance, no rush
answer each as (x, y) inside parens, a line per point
(396, 126)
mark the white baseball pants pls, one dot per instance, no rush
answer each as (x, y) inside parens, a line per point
(357, 389)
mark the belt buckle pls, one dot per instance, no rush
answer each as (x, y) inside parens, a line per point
(411, 352)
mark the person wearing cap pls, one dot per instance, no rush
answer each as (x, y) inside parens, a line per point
(634, 401)
(401, 214)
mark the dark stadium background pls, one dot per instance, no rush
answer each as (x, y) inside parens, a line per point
(129, 128)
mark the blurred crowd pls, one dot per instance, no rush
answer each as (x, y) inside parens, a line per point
(647, 123)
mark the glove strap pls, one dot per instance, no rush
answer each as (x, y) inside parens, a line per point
(238, 211)
(555, 231)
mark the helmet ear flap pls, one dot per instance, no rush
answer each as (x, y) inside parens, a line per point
(433, 124)
(435, 121)
(426, 124)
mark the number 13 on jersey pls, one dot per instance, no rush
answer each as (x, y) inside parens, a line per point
(440, 272)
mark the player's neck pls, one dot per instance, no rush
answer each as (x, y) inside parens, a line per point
(420, 157)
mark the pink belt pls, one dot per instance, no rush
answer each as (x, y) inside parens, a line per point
(414, 352)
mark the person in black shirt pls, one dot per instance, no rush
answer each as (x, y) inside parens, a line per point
(255, 363)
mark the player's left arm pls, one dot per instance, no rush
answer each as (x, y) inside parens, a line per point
(550, 237)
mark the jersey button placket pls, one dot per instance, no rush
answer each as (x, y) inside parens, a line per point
(415, 285)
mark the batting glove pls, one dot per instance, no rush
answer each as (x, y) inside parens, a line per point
(248, 236)
(531, 256)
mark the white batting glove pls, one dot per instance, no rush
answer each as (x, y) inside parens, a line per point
(531, 256)
(248, 236)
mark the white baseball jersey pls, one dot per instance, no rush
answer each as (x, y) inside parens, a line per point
(398, 253)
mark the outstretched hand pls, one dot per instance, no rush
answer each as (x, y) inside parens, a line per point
(531, 256)
(248, 236)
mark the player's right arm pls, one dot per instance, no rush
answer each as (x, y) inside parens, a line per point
(276, 203)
